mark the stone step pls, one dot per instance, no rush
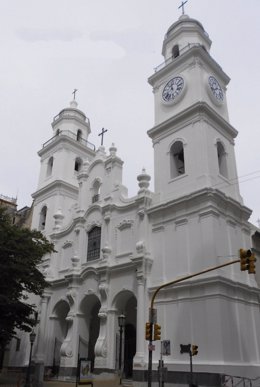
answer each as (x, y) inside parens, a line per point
(127, 383)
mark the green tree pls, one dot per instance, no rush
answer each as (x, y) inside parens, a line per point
(21, 251)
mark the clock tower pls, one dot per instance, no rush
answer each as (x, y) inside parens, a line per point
(192, 137)
(198, 219)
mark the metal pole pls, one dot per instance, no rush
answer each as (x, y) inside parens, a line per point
(28, 371)
(120, 352)
(191, 371)
(160, 370)
(150, 358)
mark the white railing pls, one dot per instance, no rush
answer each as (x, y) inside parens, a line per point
(73, 136)
(181, 52)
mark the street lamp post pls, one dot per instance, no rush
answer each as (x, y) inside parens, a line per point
(27, 380)
(121, 323)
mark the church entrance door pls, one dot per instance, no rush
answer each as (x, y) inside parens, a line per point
(130, 349)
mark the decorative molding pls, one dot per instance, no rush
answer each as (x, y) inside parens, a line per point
(158, 228)
(209, 212)
(94, 223)
(181, 222)
(126, 223)
(67, 244)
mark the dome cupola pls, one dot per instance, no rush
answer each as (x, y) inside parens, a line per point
(182, 35)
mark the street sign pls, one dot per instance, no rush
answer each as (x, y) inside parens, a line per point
(185, 348)
(166, 347)
(151, 347)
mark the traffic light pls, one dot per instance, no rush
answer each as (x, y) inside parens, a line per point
(157, 332)
(244, 254)
(194, 350)
(251, 264)
(148, 328)
(247, 261)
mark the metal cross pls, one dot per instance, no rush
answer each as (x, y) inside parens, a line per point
(182, 6)
(102, 134)
(74, 92)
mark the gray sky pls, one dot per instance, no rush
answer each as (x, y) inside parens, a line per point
(107, 49)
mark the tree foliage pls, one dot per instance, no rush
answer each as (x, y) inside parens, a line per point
(21, 251)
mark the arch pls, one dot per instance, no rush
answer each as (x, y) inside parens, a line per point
(96, 190)
(177, 161)
(60, 330)
(222, 159)
(43, 216)
(89, 326)
(175, 51)
(125, 302)
(79, 135)
(49, 166)
(94, 242)
(78, 164)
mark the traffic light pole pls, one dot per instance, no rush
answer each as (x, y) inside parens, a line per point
(191, 370)
(150, 349)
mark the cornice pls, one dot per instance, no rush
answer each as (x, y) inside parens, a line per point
(61, 141)
(54, 185)
(211, 194)
(218, 281)
(196, 112)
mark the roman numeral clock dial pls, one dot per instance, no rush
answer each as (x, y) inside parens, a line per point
(216, 89)
(172, 89)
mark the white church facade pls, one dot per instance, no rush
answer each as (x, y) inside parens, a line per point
(112, 252)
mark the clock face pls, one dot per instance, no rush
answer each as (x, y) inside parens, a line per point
(172, 89)
(216, 88)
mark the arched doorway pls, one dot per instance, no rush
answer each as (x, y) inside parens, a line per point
(130, 349)
(89, 327)
(60, 330)
(126, 304)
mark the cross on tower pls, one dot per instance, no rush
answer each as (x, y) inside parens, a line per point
(182, 6)
(102, 134)
(74, 93)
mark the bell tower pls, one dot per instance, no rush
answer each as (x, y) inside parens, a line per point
(62, 158)
(198, 219)
(192, 137)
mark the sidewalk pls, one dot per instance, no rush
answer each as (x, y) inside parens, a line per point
(104, 380)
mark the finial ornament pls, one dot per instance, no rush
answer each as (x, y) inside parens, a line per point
(182, 6)
(102, 135)
(74, 93)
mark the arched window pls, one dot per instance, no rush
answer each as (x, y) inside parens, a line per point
(94, 239)
(43, 216)
(78, 164)
(222, 159)
(79, 135)
(49, 166)
(177, 159)
(175, 51)
(96, 191)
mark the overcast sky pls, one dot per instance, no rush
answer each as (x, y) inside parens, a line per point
(107, 49)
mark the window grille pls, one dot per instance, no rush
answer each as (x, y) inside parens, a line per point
(94, 238)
